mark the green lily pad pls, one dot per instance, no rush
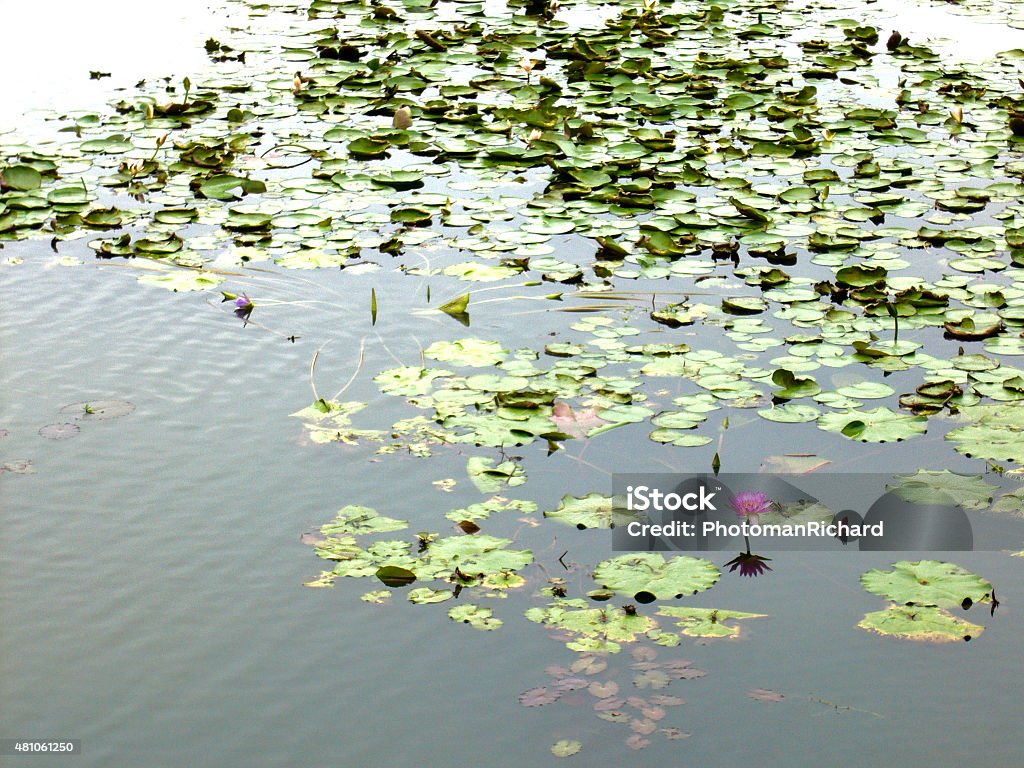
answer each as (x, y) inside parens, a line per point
(591, 511)
(880, 425)
(927, 583)
(361, 520)
(22, 177)
(247, 222)
(866, 390)
(409, 380)
(476, 555)
(369, 147)
(944, 487)
(184, 280)
(593, 628)
(744, 305)
(484, 509)
(566, 748)
(1012, 502)
(997, 433)
(793, 386)
(72, 196)
(508, 427)
(475, 353)
(489, 478)
(426, 595)
(933, 625)
(399, 179)
(481, 273)
(230, 187)
(477, 617)
(412, 215)
(790, 413)
(679, 438)
(395, 576)
(311, 258)
(861, 276)
(648, 576)
(706, 622)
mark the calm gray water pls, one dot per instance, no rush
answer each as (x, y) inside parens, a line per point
(153, 602)
(151, 573)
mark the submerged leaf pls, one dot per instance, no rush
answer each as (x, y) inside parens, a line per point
(763, 694)
(59, 431)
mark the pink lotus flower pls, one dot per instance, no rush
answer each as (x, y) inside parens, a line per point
(750, 504)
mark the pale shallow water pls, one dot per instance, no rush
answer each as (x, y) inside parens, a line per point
(61, 43)
(151, 573)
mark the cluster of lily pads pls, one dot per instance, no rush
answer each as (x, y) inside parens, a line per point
(922, 594)
(697, 151)
(589, 682)
(739, 205)
(701, 151)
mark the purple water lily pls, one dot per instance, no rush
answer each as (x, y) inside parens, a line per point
(750, 504)
(243, 306)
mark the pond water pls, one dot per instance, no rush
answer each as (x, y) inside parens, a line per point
(153, 567)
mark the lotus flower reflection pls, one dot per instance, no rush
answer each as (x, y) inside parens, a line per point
(749, 565)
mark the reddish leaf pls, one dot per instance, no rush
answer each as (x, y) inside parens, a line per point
(674, 734)
(653, 713)
(538, 697)
(607, 705)
(636, 741)
(575, 423)
(571, 684)
(643, 653)
(643, 727)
